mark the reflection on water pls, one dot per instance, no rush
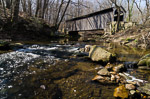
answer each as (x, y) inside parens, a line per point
(125, 53)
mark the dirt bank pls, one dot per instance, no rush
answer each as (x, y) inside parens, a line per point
(138, 36)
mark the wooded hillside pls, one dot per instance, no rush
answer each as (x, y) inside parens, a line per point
(29, 14)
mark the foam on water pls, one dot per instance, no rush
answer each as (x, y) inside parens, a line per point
(132, 78)
(10, 62)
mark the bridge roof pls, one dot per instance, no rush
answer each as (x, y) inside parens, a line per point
(95, 13)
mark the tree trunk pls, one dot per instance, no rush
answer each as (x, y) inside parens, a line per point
(37, 8)
(16, 11)
(118, 19)
(8, 4)
(57, 27)
(4, 8)
(11, 10)
(29, 8)
(40, 8)
(118, 14)
(24, 6)
(130, 8)
(44, 7)
(58, 13)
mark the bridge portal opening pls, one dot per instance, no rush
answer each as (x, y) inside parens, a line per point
(116, 16)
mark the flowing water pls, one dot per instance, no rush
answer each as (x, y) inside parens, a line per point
(56, 71)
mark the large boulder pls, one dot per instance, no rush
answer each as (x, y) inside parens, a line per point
(145, 61)
(98, 54)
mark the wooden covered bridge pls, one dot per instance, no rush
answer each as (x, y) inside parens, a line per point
(94, 21)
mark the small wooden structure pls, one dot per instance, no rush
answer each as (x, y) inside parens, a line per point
(94, 21)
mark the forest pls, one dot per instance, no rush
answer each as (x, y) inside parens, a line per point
(54, 12)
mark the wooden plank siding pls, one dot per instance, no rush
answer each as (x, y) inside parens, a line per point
(90, 23)
(94, 21)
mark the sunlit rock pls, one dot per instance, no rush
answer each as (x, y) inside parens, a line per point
(98, 77)
(119, 68)
(121, 92)
(114, 73)
(43, 87)
(98, 54)
(132, 82)
(130, 86)
(132, 92)
(113, 78)
(103, 72)
(87, 48)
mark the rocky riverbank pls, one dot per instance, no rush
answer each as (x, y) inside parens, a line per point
(129, 86)
(137, 36)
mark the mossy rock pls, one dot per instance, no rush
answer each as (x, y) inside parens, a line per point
(145, 61)
(145, 88)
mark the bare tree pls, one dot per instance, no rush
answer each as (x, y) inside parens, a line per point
(145, 14)
(4, 8)
(37, 7)
(118, 12)
(16, 11)
(58, 24)
(103, 4)
(147, 11)
(130, 8)
(8, 4)
(30, 7)
(59, 9)
(24, 5)
(45, 5)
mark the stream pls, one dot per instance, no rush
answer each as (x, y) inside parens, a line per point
(60, 71)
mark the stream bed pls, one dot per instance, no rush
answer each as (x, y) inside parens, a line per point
(59, 71)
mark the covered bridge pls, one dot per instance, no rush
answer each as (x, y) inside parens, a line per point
(94, 21)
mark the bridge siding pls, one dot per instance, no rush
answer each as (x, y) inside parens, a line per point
(90, 23)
